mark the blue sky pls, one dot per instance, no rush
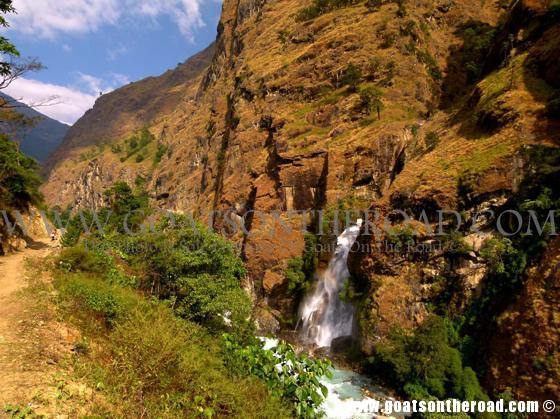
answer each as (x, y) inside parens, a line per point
(93, 46)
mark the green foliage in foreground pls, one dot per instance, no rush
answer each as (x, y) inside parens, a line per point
(189, 266)
(426, 364)
(161, 357)
(176, 259)
(6, 47)
(19, 181)
(291, 377)
(195, 268)
(147, 362)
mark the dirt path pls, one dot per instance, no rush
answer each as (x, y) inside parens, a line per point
(35, 349)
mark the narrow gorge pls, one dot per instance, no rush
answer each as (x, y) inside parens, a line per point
(368, 187)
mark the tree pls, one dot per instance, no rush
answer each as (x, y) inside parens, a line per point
(432, 140)
(19, 181)
(370, 98)
(12, 65)
(6, 47)
(352, 77)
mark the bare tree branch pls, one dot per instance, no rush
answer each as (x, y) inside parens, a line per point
(18, 67)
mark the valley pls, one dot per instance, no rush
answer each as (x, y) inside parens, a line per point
(370, 187)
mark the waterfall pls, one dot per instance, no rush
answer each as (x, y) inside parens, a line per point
(323, 315)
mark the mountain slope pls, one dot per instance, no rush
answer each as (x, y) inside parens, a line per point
(131, 107)
(43, 137)
(395, 105)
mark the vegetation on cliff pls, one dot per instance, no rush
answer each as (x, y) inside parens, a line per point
(387, 105)
(19, 179)
(154, 302)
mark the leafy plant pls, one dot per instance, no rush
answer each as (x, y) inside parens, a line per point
(19, 179)
(370, 99)
(352, 76)
(291, 377)
(425, 364)
(432, 140)
(150, 362)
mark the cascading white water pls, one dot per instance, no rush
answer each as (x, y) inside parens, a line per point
(324, 316)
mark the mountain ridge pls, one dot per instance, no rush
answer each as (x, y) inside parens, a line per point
(388, 106)
(42, 137)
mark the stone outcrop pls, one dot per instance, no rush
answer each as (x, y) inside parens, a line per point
(275, 118)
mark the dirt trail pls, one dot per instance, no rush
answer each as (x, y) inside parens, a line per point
(12, 279)
(34, 346)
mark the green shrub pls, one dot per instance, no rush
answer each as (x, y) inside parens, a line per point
(432, 140)
(425, 364)
(148, 362)
(193, 266)
(431, 64)
(79, 259)
(294, 275)
(478, 39)
(370, 99)
(160, 152)
(352, 77)
(19, 179)
(401, 237)
(77, 225)
(293, 378)
(79, 293)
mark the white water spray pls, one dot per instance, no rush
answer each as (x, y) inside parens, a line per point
(323, 314)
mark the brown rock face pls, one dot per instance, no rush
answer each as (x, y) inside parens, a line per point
(525, 353)
(131, 107)
(280, 118)
(271, 281)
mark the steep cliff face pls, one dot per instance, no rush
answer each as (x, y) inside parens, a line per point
(527, 347)
(390, 107)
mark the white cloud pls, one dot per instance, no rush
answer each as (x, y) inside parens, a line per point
(96, 85)
(70, 102)
(69, 106)
(47, 19)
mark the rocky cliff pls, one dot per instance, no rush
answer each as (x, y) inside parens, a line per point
(418, 104)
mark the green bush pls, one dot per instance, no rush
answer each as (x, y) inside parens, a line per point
(370, 99)
(160, 152)
(19, 179)
(293, 378)
(432, 140)
(352, 77)
(80, 293)
(79, 259)
(145, 361)
(295, 276)
(426, 364)
(431, 64)
(478, 39)
(192, 266)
